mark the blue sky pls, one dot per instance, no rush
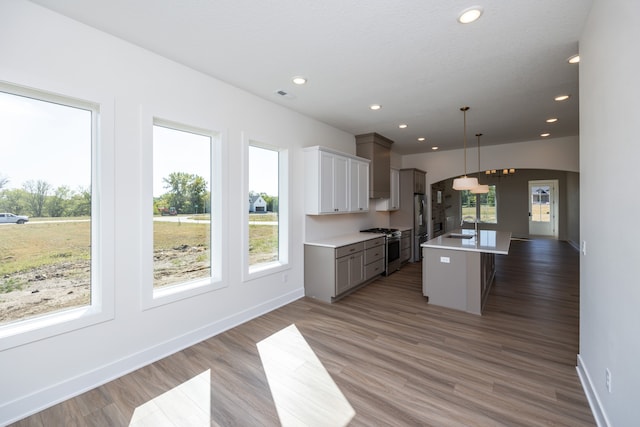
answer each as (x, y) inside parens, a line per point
(46, 141)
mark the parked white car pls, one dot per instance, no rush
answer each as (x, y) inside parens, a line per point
(9, 218)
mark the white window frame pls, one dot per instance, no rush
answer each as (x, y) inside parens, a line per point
(150, 296)
(101, 308)
(265, 269)
(479, 208)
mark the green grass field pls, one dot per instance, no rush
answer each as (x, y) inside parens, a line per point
(24, 247)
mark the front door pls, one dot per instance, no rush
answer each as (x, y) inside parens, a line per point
(543, 208)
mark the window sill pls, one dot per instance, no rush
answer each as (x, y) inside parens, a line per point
(25, 331)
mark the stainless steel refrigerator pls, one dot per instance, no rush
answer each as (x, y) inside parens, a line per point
(414, 211)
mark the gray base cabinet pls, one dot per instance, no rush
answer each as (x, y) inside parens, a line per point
(332, 272)
(405, 246)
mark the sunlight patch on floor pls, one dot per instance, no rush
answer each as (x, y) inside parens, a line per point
(303, 391)
(188, 404)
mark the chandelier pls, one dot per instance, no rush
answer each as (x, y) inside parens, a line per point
(499, 173)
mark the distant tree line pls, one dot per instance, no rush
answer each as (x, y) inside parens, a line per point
(40, 199)
(186, 192)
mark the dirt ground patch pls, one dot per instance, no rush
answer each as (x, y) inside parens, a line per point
(58, 286)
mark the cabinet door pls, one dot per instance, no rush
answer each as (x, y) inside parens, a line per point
(333, 183)
(342, 274)
(349, 272)
(395, 190)
(340, 184)
(419, 182)
(326, 182)
(358, 186)
(356, 269)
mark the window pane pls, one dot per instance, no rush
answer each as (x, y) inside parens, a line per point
(181, 206)
(45, 206)
(468, 204)
(263, 205)
(489, 206)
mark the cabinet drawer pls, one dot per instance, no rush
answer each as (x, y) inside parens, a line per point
(374, 242)
(373, 254)
(349, 249)
(374, 269)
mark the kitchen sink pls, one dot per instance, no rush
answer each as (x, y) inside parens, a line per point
(460, 236)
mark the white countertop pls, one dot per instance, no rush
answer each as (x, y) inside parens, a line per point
(490, 241)
(343, 240)
(348, 239)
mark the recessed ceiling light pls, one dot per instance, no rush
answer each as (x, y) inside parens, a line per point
(422, 138)
(470, 15)
(552, 120)
(574, 59)
(544, 135)
(375, 106)
(402, 126)
(299, 80)
(562, 97)
(434, 148)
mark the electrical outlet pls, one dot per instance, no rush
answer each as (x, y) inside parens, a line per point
(607, 379)
(584, 247)
(445, 259)
(285, 277)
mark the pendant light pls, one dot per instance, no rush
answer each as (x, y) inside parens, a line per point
(465, 182)
(480, 188)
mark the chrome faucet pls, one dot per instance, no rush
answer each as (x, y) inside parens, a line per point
(465, 218)
(475, 222)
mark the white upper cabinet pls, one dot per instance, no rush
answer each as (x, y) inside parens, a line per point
(335, 182)
(393, 202)
(359, 186)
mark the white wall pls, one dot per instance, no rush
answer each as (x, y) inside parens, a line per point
(609, 206)
(559, 154)
(555, 153)
(46, 51)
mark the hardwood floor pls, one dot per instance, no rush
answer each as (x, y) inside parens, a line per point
(397, 360)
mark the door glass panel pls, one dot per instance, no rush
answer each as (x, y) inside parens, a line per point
(540, 203)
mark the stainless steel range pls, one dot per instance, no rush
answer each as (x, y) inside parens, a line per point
(392, 247)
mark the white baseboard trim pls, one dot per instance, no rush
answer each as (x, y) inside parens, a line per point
(35, 402)
(574, 245)
(592, 396)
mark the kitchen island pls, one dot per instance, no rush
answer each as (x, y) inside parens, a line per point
(458, 268)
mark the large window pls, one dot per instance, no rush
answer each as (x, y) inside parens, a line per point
(46, 185)
(481, 206)
(267, 231)
(181, 205)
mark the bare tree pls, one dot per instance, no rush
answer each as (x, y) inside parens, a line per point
(37, 195)
(3, 181)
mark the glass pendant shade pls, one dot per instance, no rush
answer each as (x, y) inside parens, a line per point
(465, 183)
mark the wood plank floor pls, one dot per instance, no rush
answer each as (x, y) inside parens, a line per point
(398, 360)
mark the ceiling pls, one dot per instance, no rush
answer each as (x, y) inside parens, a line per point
(410, 56)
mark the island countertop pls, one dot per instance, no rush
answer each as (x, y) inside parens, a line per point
(490, 241)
